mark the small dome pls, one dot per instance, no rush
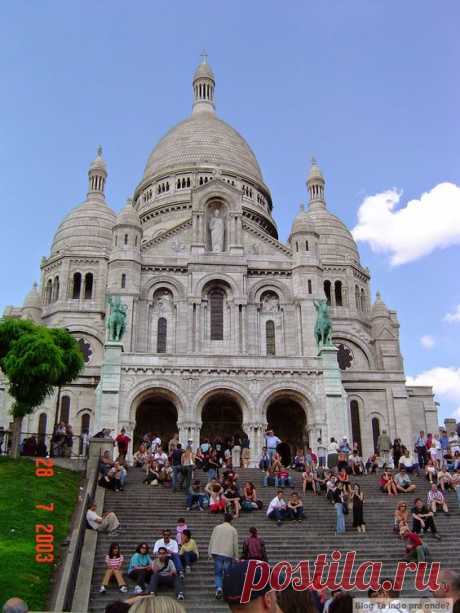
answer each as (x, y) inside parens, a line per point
(99, 162)
(204, 70)
(315, 171)
(128, 216)
(33, 300)
(302, 223)
(203, 140)
(379, 308)
(335, 239)
(88, 227)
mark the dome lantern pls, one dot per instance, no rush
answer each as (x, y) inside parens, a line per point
(203, 87)
(97, 174)
(315, 186)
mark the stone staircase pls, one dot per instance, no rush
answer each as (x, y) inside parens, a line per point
(144, 511)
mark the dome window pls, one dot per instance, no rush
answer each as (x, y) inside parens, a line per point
(123, 281)
(88, 285)
(49, 292)
(76, 286)
(309, 286)
(327, 291)
(55, 289)
(126, 239)
(338, 293)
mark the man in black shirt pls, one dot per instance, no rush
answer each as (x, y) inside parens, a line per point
(176, 461)
(423, 519)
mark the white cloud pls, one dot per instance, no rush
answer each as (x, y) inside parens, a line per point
(453, 317)
(445, 382)
(427, 341)
(406, 234)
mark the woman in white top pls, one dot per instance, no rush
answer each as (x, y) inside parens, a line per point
(332, 453)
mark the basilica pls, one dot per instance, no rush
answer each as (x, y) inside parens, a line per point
(219, 315)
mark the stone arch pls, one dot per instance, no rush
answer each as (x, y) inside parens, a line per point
(215, 278)
(146, 388)
(233, 389)
(288, 411)
(152, 285)
(305, 397)
(339, 335)
(282, 290)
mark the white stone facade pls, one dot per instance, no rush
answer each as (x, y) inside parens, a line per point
(231, 324)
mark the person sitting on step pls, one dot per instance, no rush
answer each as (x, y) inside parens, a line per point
(444, 480)
(436, 500)
(415, 548)
(217, 500)
(387, 484)
(345, 481)
(139, 569)
(277, 509)
(114, 563)
(165, 573)
(188, 551)
(153, 473)
(141, 456)
(299, 461)
(403, 481)
(295, 507)
(172, 547)
(423, 519)
(401, 518)
(249, 497)
(308, 480)
(356, 464)
(232, 496)
(431, 472)
(196, 498)
(107, 523)
(282, 477)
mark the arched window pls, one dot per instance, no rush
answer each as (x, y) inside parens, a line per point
(126, 239)
(296, 246)
(306, 245)
(42, 428)
(88, 286)
(65, 409)
(357, 298)
(56, 289)
(216, 300)
(338, 293)
(76, 286)
(123, 280)
(84, 429)
(309, 286)
(49, 292)
(327, 291)
(355, 424)
(162, 335)
(375, 431)
(270, 341)
(363, 301)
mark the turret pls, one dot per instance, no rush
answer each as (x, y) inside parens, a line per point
(303, 238)
(385, 331)
(315, 186)
(203, 87)
(32, 307)
(125, 259)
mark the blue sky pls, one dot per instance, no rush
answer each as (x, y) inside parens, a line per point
(369, 87)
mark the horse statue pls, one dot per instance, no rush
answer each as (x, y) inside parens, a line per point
(323, 325)
(116, 322)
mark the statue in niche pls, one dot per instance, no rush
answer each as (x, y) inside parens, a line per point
(270, 303)
(164, 301)
(216, 228)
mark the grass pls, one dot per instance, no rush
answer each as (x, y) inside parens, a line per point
(20, 491)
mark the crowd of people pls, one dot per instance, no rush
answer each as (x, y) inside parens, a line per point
(333, 471)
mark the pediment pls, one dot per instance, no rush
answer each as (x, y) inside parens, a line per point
(256, 242)
(170, 240)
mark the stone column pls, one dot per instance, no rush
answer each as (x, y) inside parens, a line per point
(335, 395)
(108, 390)
(97, 446)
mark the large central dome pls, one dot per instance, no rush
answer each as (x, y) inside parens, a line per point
(201, 140)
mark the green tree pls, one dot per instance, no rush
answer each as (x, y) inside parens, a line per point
(35, 359)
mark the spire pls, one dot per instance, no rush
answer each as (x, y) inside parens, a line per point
(97, 175)
(315, 186)
(203, 87)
